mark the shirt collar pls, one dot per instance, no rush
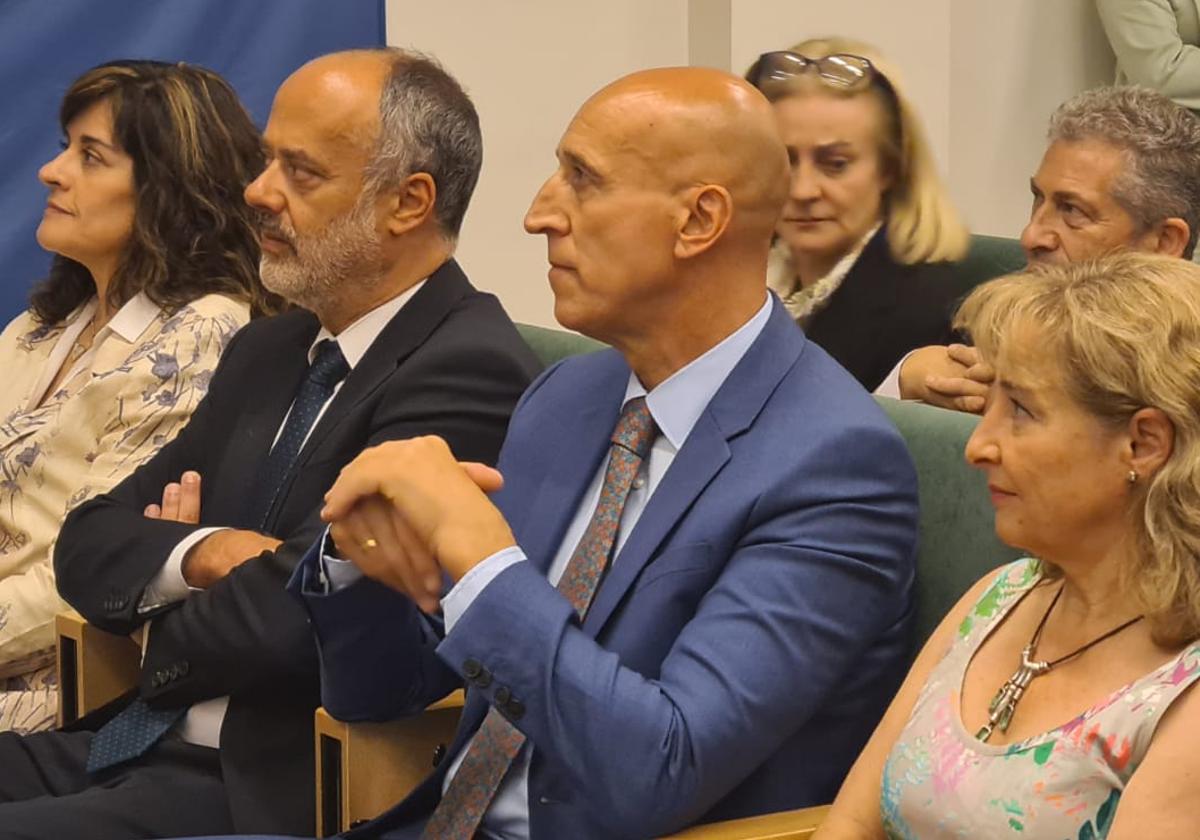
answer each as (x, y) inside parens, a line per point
(357, 338)
(677, 402)
(132, 319)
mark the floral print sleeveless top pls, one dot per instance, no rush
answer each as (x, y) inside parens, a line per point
(941, 782)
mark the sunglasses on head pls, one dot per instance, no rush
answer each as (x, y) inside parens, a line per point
(774, 71)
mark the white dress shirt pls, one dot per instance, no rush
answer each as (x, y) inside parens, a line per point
(890, 386)
(676, 405)
(202, 725)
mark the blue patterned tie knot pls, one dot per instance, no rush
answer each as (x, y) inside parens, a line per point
(329, 366)
(635, 430)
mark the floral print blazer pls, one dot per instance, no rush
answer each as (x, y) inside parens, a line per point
(148, 371)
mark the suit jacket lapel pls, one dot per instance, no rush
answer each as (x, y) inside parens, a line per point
(575, 450)
(276, 388)
(730, 412)
(407, 330)
(693, 468)
(269, 396)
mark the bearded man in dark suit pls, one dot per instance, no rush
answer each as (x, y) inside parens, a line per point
(372, 159)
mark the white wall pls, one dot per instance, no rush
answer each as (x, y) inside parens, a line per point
(528, 65)
(1014, 62)
(985, 75)
(913, 34)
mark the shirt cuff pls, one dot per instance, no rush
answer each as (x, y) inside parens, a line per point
(471, 584)
(335, 573)
(168, 585)
(890, 386)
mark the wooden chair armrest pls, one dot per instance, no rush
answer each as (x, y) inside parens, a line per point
(365, 768)
(94, 667)
(783, 825)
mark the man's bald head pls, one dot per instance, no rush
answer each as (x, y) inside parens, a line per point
(342, 89)
(402, 113)
(373, 156)
(695, 125)
(660, 216)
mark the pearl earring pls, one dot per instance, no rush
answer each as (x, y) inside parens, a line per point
(1132, 478)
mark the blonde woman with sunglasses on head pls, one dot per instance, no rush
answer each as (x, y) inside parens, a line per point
(863, 251)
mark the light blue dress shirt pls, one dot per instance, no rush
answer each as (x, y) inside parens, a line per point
(675, 405)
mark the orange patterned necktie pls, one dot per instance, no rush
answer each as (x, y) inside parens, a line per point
(492, 750)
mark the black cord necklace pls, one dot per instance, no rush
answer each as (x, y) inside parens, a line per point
(1000, 710)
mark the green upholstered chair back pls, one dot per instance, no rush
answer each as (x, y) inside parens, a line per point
(989, 257)
(958, 541)
(552, 345)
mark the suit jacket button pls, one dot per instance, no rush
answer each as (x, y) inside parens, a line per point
(439, 754)
(502, 696)
(471, 668)
(515, 709)
(484, 679)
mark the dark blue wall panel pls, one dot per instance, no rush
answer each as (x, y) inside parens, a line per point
(45, 44)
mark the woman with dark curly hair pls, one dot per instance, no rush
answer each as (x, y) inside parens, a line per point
(155, 269)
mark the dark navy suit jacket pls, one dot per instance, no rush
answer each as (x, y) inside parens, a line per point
(739, 651)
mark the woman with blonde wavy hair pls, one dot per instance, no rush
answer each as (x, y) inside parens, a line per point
(1055, 699)
(863, 251)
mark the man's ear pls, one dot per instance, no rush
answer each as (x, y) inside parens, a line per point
(1151, 440)
(1173, 235)
(708, 211)
(410, 203)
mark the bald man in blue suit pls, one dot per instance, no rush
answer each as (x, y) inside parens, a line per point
(749, 618)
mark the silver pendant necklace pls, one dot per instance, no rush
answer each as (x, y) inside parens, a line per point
(1004, 703)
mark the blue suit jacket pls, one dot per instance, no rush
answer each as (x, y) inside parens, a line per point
(743, 644)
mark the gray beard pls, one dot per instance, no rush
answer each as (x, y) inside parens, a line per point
(344, 255)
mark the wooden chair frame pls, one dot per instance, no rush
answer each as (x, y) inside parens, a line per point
(362, 769)
(365, 768)
(94, 667)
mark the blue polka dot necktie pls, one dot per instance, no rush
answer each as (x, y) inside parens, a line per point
(328, 368)
(494, 746)
(130, 734)
(138, 727)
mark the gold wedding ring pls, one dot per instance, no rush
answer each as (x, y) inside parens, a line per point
(369, 543)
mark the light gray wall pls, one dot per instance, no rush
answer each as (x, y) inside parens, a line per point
(985, 76)
(528, 65)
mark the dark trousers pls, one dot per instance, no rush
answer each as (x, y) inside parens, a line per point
(175, 790)
(408, 832)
